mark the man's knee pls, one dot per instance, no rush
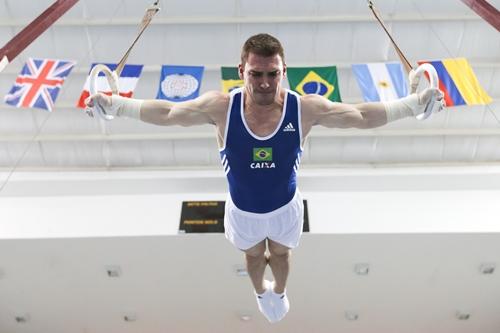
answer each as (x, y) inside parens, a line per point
(276, 249)
(256, 251)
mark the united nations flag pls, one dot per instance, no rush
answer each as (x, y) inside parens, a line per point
(315, 80)
(180, 83)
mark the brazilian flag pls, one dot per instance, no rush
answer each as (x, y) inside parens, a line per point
(230, 79)
(262, 154)
(315, 80)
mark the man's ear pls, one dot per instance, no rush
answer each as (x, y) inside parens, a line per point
(284, 70)
(241, 70)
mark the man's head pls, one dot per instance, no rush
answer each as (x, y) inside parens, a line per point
(262, 68)
(263, 45)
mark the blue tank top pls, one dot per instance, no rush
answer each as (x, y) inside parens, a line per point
(261, 171)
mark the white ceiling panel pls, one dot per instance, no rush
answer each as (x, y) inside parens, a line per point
(23, 118)
(358, 150)
(460, 149)
(69, 121)
(198, 154)
(427, 148)
(393, 149)
(488, 148)
(21, 155)
(325, 150)
(123, 153)
(187, 8)
(477, 38)
(74, 154)
(157, 153)
(428, 8)
(365, 37)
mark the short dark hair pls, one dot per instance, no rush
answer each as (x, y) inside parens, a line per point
(262, 44)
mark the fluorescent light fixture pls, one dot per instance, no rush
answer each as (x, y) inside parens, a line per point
(245, 317)
(240, 270)
(462, 315)
(487, 268)
(22, 319)
(130, 317)
(362, 268)
(351, 315)
(113, 271)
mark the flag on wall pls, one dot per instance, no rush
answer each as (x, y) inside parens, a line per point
(315, 80)
(39, 82)
(381, 81)
(180, 83)
(126, 82)
(458, 82)
(230, 79)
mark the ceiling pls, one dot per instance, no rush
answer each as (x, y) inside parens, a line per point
(316, 32)
(418, 282)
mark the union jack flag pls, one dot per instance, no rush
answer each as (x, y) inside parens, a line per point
(39, 82)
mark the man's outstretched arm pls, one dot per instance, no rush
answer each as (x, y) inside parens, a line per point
(320, 111)
(202, 110)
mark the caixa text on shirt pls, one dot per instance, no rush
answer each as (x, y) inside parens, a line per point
(262, 165)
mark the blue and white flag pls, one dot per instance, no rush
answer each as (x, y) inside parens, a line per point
(180, 83)
(381, 81)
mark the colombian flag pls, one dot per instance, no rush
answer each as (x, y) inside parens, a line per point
(458, 82)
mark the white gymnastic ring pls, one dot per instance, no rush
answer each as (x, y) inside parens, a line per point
(113, 84)
(414, 78)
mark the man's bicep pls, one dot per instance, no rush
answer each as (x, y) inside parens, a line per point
(189, 113)
(199, 111)
(321, 111)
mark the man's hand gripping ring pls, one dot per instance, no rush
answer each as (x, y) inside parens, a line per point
(113, 84)
(415, 75)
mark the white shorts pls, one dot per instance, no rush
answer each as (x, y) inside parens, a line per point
(283, 225)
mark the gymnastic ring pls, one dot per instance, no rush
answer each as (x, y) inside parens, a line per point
(414, 77)
(113, 84)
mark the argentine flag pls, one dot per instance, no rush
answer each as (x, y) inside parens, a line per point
(381, 81)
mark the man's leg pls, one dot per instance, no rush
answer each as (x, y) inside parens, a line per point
(279, 260)
(256, 265)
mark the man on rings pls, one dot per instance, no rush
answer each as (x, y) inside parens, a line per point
(261, 129)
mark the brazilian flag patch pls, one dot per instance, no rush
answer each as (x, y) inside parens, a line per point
(263, 154)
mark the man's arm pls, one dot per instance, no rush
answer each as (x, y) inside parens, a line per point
(320, 111)
(205, 109)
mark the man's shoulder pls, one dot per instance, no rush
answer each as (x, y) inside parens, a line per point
(312, 98)
(312, 103)
(215, 103)
(216, 96)
(215, 100)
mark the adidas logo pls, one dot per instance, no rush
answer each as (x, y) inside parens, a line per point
(289, 128)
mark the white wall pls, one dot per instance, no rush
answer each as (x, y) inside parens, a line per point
(392, 200)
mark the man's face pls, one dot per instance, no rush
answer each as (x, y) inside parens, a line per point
(262, 76)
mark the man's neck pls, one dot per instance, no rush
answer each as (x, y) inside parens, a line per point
(252, 107)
